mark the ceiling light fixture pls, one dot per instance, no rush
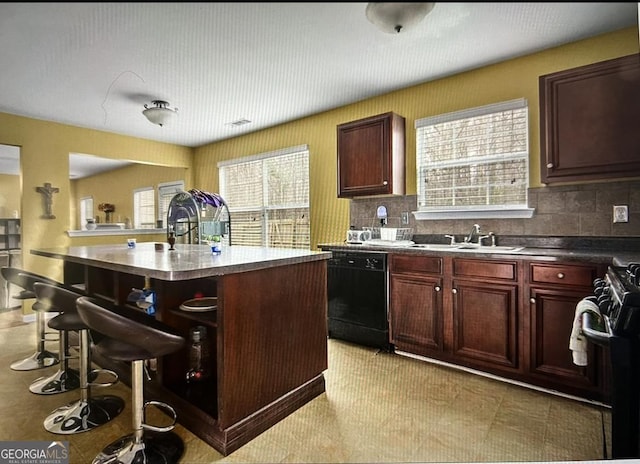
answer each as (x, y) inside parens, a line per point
(395, 17)
(159, 114)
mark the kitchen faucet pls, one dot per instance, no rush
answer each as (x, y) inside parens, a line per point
(475, 230)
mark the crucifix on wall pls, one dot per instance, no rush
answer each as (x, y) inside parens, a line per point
(47, 196)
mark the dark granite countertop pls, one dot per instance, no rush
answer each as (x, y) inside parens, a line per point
(185, 262)
(619, 251)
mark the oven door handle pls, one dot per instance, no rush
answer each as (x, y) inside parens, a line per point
(596, 336)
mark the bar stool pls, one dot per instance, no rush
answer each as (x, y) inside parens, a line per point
(62, 300)
(25, 280)
(126, 339)
(88, 412)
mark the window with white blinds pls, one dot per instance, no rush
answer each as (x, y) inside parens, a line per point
(144, 208)
(475, 160)
(86, 211)
(166, 192)
(268, 198)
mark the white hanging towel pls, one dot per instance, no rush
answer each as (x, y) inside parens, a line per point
(577, 341)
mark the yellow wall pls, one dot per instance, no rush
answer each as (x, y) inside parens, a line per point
(44, 154)
(45, 146)
(508, 80)
(9, 195)
(117, 186)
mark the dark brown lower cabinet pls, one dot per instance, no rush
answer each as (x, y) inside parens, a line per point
(416, 314)
(554, 292)
(511, 318)
(485, 324)
(470, 320)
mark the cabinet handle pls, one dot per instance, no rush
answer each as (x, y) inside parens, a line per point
(560, 275)
(549, 165)
(437, 288)
(384, 182)
(454, 291)
(532, 300)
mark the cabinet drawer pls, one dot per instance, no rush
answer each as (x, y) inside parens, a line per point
(565, 274)
(505, 270)
(413, 263)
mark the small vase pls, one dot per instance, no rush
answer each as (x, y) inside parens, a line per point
(171, 240)
(107, 217)
(91, 224)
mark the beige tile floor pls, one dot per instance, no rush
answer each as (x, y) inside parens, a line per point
(377, 408)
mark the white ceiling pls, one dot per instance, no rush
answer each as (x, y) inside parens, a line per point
(95, 65)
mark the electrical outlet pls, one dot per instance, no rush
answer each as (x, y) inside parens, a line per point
(405, 218)
(620, 213)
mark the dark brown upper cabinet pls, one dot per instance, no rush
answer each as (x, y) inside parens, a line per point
(589, 120)
(371, 156)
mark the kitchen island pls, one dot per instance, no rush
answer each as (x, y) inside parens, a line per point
(267, 338)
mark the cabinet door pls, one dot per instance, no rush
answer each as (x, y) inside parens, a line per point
(588, 121)
(415, 314)
(371, 156)
(552, 314)
(553, 293)
(485, 324)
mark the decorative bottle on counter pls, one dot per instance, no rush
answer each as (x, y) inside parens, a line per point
(171, 240)
(198, 355)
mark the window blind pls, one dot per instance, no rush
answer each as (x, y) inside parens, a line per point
(86, 211)
(144, 208)
(475, 158)
(268, 198)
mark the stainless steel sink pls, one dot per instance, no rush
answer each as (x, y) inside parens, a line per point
(434, 246)
(490, 249)
(469, 247)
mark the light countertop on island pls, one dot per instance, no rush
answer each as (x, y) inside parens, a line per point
(183, 263)
(107, 231)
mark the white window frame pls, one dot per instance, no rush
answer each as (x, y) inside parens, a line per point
(265, 209)
(137, 221)
(471, 212)
(168, 189)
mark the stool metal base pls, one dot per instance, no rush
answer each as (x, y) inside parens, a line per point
(83, 415)
(155, 448)
(60, 382)
(37, 360)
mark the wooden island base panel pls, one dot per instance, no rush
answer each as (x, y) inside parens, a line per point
(267, 338)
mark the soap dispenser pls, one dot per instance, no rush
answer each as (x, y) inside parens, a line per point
(382, 215)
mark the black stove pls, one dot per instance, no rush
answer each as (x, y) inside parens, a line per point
(617, 295)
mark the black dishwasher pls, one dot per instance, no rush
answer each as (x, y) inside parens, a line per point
(357, 293)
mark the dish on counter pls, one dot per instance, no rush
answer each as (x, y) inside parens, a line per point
(200, 305)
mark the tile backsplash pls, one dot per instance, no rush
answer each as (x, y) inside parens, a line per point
(568, 210)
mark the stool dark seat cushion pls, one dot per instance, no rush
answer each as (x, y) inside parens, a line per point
(127, 339)
(55, 297)
(25, 280)
(67, 321)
